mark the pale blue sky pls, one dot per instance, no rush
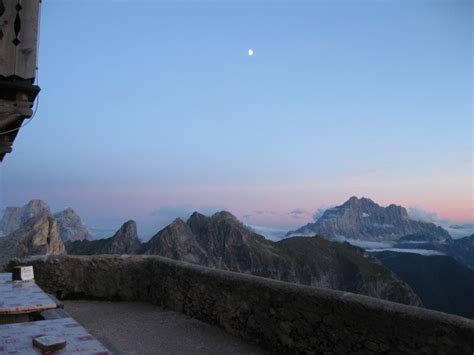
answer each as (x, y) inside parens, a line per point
(149, 105)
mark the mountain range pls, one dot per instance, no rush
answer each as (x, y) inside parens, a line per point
(69, 224)
(39, 235)
(363, 219)
(124, 241)
(14, 217)
(222, 241)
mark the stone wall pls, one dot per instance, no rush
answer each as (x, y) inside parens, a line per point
(281, 316)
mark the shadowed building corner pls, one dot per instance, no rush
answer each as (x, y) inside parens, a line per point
(19, 23)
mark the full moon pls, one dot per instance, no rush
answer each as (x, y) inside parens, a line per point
(250, 52)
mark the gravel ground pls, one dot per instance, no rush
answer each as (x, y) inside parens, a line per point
(142, 328)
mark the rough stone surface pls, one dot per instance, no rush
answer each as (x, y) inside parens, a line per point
(284, 317)
(71, 227)
(15, 217)
(38, 236)
(363, 219)
(124, 241)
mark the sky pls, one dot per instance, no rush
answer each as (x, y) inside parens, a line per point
(152, 109)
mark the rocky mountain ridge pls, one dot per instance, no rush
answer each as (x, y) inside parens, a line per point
(14, 217)
(71, 227)
(219, 241)
(222, 241)
(69, 223)
(124, 241)
(363, 219)
(37, 236)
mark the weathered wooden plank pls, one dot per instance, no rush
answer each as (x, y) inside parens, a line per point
(7, 34)
(28, 36)
(18, 37)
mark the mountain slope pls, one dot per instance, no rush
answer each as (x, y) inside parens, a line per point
(124, 241)
(460, 249)
(313, 260)
(441, 282)
(363, 219)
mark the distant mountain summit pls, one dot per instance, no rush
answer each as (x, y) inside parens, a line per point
(69, 223)
(14, 217)
(222, 241)
(363, 219)
(37, 236)
(176, 241)
(124, 241)
(219, 241)
(70, 226)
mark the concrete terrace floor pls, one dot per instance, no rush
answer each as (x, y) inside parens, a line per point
(142, 328)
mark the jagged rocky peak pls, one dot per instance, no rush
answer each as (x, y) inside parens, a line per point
(218, 229)
(177, 229)
(71, 227)
(197, 216)
(197, 221)
(128, 231)
(177, 241)
(35, 208)
(14, 217)
(225, 219)
(363, 219)
(124, 241)
(363, 207)
(178, 224)
(38, 236)
(224, 215)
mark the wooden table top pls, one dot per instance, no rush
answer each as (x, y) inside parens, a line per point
(18, 338)
(18, 297)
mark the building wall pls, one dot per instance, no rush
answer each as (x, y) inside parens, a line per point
(281, 316)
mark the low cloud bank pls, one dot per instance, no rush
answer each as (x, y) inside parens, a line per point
(274, 234)
(425, 252)
(364, 244)
(297, 213)
(419, 214)
(460, 230)
(455, 230)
